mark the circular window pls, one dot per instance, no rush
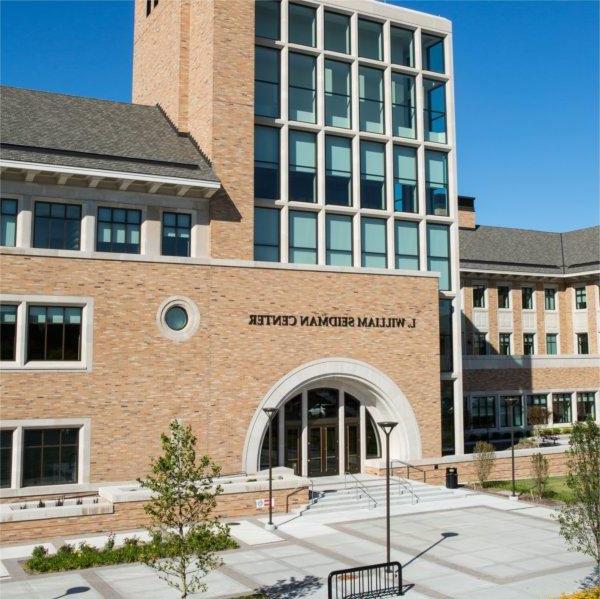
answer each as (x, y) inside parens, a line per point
(176, 318)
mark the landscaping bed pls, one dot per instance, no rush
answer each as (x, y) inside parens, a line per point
(556, 488)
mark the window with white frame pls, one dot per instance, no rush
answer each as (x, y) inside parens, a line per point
(8, 222)
(528, 344)
(57, 226)
(586, 406)
(478, 296)
(580, 298)
(527, 298)
(550, 299)
(503, 297)
(582, 344)
(302, 25)
(551, 344)
(504, 345)
(561, 408)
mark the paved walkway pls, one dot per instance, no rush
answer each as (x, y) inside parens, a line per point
(471, 546)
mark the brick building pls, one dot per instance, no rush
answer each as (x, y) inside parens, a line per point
(273, 223)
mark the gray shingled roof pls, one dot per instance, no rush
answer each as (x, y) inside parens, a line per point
(98, 134)
(521, 250)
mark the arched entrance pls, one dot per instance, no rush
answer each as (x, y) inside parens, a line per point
(326, 420)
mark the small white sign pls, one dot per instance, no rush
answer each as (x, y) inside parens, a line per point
(263, 503)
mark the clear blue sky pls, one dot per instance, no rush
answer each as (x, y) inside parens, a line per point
(526, 86)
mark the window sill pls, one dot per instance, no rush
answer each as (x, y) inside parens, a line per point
(45, 366)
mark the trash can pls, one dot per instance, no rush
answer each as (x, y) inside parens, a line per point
(451, 478)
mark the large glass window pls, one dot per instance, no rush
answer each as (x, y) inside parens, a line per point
(403, 106)
(303, 88)
(338, 233)
(432, 50)
(266, 82)
(337, 94)
(503, 297)
(57, 226)
(528, 344)
(438, 253)
(8, 222)
(118, 230)
(303, 237)
(561, 408)
(338, 170)
(6, 441)
(303, 167)
(407, 245)
(551, 344)
(448, 436)
(50, 456)
(527, 298)
(446, 335)
(478, 296)
(582, 343)
(405, 179)
(580, 298)
(54, 333)
(434, 117)
(550, 299)
(8, 332)
(586, 407)
(267, 19)
(302, 25)
(370, 88)
(505, 344)
(480, 344)
(176, 234)
(337, 32)
(373, 443)
(401, 45)
(370, 39)
(374, 242)
(537, 409)
(266, 234)
(264, 450)
(483, 412)
(505, 411)
(266, 162)
(372, 175)
(436, 182)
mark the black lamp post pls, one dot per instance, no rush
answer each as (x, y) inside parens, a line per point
(387, 429)
(511, 401)
(270, 412)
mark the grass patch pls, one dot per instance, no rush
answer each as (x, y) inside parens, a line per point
(556, 487)
(69, 557)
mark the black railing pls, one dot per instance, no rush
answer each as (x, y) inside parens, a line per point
(378, 580)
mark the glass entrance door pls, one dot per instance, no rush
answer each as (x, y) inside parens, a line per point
(323, 450)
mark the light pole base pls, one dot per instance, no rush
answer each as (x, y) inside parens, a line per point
(270, 526)
(513, 497)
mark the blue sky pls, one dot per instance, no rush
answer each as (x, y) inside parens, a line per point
(526, 87)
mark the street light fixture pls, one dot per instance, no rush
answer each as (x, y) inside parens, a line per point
(511, 402)
(387, 429)
(270, 412)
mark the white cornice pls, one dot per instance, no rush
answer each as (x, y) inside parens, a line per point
(546, 275)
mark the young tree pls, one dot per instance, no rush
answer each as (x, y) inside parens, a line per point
(184, 497)
(539, 472)
(580, 518)
(483, 460)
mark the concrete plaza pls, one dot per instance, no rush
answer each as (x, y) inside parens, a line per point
(472, 545)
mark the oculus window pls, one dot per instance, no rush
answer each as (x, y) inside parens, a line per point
(338, 233)
(303, 237)
(302, 167)
(338, 170)
(266, 234)
(176, 234)
(267, 19)
(432, 51)
(372, 175)
(370, 108)
(436, 182)
(8, 222)
(8, 332)
(337, 32)
(337, 94)
(403, 106)
(54, 333)
(57, 226)
(405, 179)
(266, 162)
(176, 318)
(302, 25)
(266, 82)
(407, 245)
(438, 253)
(118, 230)
(434, 111)
(303, 88)
(374, 242)
(370, 39)
(401, 45)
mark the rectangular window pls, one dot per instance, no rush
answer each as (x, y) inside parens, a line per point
(438, 253)
(176, 234)
(337, 94)
(407, 245)
(480, 345)
(446, 362)
(50, 456)
(550, 299)
(8, 332)
(582, 344)
(483, 412)
(370, 101)
(118, 230)
(505, 344)
(580, 298)
(337, 32)
(338, 233)
(551, 344)
(266, 234)
(503, 297)
(266, 82)
(529, 344)
(303, 237)
(478, 296)
(403, 106)
(54, 333)
(266, 162)
(302, 25)
(303, 88)
(586, 406)
(267, 19)
(57, 226)
(6, 447)
(436, 182)
(370, 39)
(303, 167)
(338, 170)
(374, 242)
(405, 179)
(561, 408)
(537, 409)
(527, 298)
(432, 50)
(505, 411)
(401, 45)
(372, 175)
(434, 111)
(8, 222)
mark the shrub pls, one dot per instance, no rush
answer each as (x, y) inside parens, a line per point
(483, 460)
(539, 474)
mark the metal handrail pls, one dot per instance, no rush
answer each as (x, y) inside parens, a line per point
(358, 486)
(405, 484)
(408, 467)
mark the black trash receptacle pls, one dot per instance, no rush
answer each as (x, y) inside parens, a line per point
(451, 478)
